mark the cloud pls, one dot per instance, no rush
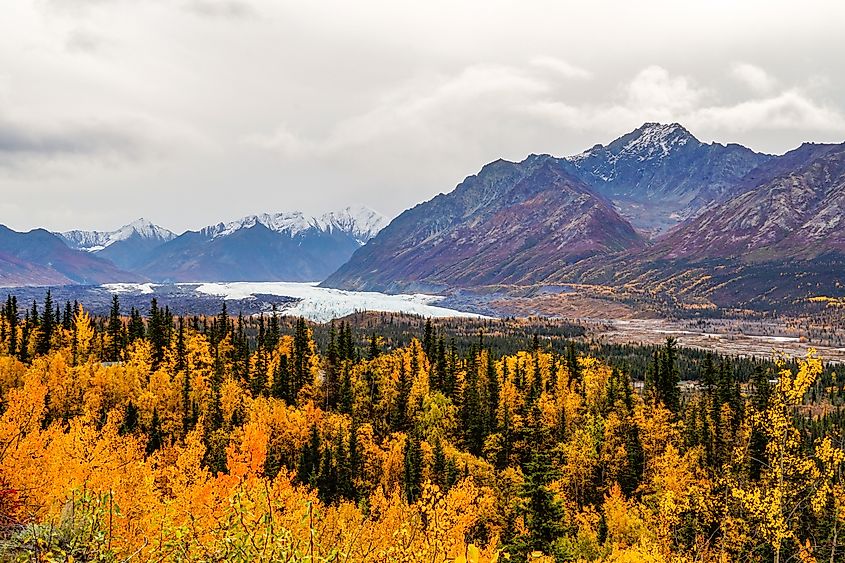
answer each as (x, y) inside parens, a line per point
(562, 67)
(448, 107)
(754, 77)
(787, 110)
(25, 140)
(655, 90)
(484, 105)
(83, 41)
(225, 9)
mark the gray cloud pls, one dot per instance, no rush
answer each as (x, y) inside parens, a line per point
(232, 9)
(19, 140)
(111, 109)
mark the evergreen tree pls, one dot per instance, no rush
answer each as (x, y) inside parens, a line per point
(136, 329)
(47, 326)
(542, 511)
(301, 356)
(492, 425)
(308, 470)
(670, 391)
(154, 441)
(13, 320)
(399, 418)
(115, 331)
(373, 352)
(428, 340)
(281, 381)
(413, 470)
(130, 419)
(215, 409)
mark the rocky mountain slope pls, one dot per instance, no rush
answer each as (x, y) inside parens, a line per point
(659, 175)
(773, 247)
(510, 223)
(797, 213)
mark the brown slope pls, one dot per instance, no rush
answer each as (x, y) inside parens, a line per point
(511, 223)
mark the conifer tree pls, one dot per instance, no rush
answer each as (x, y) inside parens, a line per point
(399, 418)
(412, 474)
(115, 331)
(47, 326)
(373, 352)
(154, 441)
(130, 419)
(215, 409)
(281, 381)
(542, 511)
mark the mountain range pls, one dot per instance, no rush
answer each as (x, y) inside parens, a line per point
(655, 211)
(268, 247)
(717, 224)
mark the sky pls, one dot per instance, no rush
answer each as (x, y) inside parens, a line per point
(191, 112)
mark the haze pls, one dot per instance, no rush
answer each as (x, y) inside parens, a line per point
(191, 112)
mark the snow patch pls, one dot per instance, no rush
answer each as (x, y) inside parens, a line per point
(142, 288)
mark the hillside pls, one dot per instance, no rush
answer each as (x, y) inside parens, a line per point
(510, 223)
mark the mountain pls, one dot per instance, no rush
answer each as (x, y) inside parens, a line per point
(795, 211)
(659, 175)
(128, 247)
(510, 223)
(39, 257)
(778, 243)
(267, 247)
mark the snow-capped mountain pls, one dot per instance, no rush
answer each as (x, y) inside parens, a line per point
(288, 246)
(360, 222)
(94, 241)
(126, 247)
(659, 174)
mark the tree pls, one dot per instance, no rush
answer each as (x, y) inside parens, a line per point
(115, 331)
(541, 510)
(47, 326)
(412, 468)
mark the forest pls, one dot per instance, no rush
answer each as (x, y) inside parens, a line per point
(393, 438)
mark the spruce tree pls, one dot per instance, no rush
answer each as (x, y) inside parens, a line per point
(47, 326)
(281, 381)
(130, 419)
(542, 511)
(413, 470)
(115, 331)
(154, 441)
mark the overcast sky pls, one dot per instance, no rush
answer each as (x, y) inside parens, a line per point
(188, 112)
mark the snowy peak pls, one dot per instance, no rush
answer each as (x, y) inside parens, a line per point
(650, 141)
(655, 140)
(362, 223)
(359, 221)
(95, 241)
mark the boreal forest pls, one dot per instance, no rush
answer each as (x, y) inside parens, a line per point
(384, 437)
